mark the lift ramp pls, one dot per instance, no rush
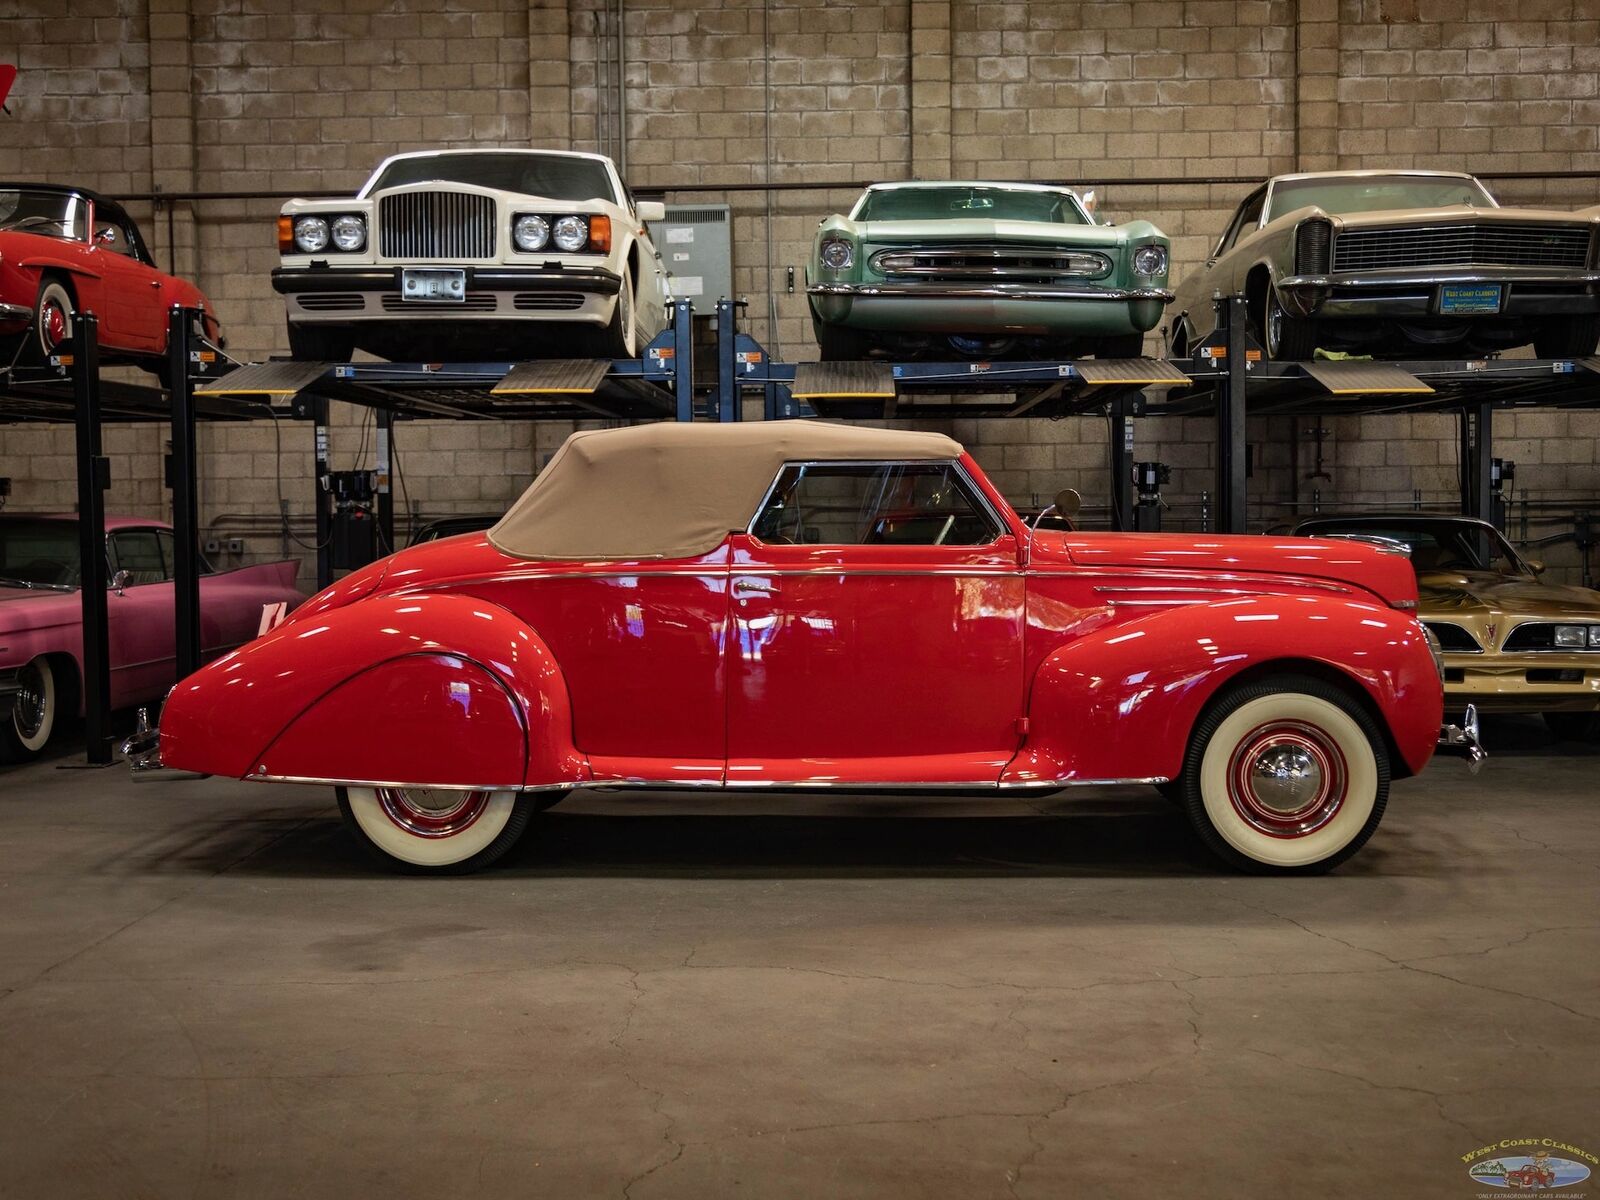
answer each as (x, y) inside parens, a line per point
(1365, 379)
(284, 379)
(843, 381)
(554, 377)
(1130, 372)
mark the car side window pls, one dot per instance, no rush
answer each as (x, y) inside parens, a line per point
(1244, 221)
(866, 504)
(138, 552)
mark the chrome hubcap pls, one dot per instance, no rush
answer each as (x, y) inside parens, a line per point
(1274, 327)
(1287, 778)
(432, 812)
(29, 711)
(53, 321)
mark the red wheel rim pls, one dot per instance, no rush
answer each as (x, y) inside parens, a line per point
(431, 813)
(1287, 778)
(53, 324)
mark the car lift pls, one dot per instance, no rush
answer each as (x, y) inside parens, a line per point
(1226, 377)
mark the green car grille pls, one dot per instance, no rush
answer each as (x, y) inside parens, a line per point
(989, 263)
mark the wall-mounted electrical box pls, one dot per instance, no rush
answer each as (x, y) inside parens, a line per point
(696, 245)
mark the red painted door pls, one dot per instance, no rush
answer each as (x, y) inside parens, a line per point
(876, 632)
(641, 649)
(132, 294)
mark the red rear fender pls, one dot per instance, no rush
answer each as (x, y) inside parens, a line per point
(1120, 703)
(424, 689)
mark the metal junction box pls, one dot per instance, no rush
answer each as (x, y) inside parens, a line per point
(696, 244)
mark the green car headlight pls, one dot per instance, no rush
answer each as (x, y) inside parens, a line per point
(837, 254)
(1150, 260)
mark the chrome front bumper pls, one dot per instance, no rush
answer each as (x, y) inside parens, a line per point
(142, 749)
(15, 312)
(1461, 741)
(989, 291)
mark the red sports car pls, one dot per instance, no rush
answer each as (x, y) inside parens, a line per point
(65, 250)
(793, 605)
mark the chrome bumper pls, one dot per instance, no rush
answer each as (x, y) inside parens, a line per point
(1461, 741)
(989, 291)
(143, 751)
(15, 312)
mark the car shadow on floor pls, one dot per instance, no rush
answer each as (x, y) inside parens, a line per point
(1137, 837)
(1522, 735)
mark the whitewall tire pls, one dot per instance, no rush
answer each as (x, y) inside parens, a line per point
(1288, 774)
(431, 830)
(26, 729)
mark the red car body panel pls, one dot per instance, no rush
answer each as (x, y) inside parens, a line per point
(1079, 657)
(140, 620)
(129, 294)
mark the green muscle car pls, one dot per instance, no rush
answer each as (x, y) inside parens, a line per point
(986, 270)
(1410, 264)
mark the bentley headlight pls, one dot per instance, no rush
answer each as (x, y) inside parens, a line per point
(311, 234)
(1150, 260)
(1571, 637)
(349, 233)
(531, 233)
(571, 233)
(838, 254)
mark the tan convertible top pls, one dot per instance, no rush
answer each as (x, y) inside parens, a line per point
(677, 490)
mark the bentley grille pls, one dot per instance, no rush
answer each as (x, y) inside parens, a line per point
(990, 264)
(450, 225)
(1557, 246)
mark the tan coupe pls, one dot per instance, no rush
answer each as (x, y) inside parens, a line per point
(1408, 264)
(1510, 641)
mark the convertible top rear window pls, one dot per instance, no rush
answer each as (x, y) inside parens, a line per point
(554, 177)
(969, 203)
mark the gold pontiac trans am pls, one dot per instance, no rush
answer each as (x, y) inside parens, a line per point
(1510, 641)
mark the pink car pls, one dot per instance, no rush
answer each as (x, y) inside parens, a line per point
(41, 618)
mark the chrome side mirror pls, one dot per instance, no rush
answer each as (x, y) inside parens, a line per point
(652, 210)
(1536, 565)
(119, 581)
(1069, 503)
(105, 236)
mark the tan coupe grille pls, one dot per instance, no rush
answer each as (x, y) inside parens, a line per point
(1562, 247)
(447, 225)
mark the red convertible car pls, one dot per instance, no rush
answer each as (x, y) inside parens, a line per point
(65, 250)
(41, 619)
(804, 605)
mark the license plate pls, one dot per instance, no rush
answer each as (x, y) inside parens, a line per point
(1461, 299)
(446, 286)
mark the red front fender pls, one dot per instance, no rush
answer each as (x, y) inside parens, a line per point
(1120, 703)
(422, 689)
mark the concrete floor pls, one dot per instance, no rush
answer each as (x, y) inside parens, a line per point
(205, 991)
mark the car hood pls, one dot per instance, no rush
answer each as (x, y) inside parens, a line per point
(1381, 572)
(892, 233)
(1460, 214)
(24, 608)
(1447, 594)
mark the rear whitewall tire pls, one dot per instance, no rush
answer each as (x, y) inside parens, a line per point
(1218, 791)
(382, 820)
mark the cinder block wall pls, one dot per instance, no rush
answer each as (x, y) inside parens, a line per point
(242, 95)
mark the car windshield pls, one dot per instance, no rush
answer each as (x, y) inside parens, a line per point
(1343, 194)
(1435, 546)
(51, 214)
(37, 553)
(551, 176)
(957, 203)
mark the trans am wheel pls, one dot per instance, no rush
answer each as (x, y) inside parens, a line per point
(52, 317)
(24, 733)
(1287, 338)
(1574, 726)
(1285, 775)
(433, 830)
(620, 339)
(1567, 337)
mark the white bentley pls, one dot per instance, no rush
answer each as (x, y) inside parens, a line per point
(474, 254)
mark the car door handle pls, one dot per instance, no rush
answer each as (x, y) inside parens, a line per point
(155, 283)
(753, 587)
